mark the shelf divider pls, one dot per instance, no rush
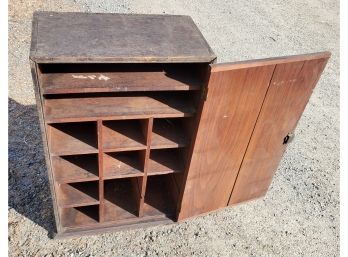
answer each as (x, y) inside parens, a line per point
(101, 170)
(147, 131)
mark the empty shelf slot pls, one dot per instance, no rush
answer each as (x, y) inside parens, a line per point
(168, 133)
(123, 135)
(75, 168)
(161, 196)
(72, 138)
(121, 199)
(123, 164)
(112, 108)
(79, 216)
(77, 194)
(83, 78)
(165, 161)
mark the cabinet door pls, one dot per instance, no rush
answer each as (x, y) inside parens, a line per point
(236, 97)
(289, 91)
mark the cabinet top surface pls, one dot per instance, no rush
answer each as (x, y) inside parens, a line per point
(104, 37)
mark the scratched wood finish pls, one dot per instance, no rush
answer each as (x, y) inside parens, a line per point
(288, 94)
(90, 109)
(89, 37)
(228, 117)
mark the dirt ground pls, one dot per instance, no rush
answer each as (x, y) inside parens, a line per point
(300, 214)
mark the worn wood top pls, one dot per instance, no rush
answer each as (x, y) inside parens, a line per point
(91, 37)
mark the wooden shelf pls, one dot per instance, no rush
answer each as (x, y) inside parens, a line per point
(123, 135)
(112, 108)
(158, 80)
(164, 161)
(159, 200)
(75, 168)
(80, 216)
(168, 133)
(122, 199)
(77, 194)
(121, 165)
(72, 138)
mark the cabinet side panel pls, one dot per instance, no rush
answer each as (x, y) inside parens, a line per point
(34, 73)
(287, 96)
(228, 117)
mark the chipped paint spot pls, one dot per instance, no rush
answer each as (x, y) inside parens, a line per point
(103, 77)
(79, 77)
(225, 116)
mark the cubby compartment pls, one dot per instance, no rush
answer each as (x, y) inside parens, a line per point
(121, 199)
(123, 135)
(123, 164)
(72, 138)
(161, 196)
(164, 161)
(112, 77)
(79, 216)
(77, 194)
(171, 132)
(75, 168)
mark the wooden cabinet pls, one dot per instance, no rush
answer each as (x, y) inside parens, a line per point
(141, 126)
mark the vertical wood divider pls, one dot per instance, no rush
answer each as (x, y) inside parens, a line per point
(101, 171)
(146, 161)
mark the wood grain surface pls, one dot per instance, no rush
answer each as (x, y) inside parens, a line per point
(291, 86)
(90, 37)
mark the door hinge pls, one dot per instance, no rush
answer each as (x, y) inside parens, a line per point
(204, 93)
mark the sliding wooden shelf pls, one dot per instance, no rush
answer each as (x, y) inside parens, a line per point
(94, 108)
(168, 133)
(72, 138)
(122, 164)
(122, 199)
(77, 194)
(123, 135)
(165, 161)
(75, 168)
(158, 80)
(80, 216)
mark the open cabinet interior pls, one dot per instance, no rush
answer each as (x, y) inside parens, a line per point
(118, 155)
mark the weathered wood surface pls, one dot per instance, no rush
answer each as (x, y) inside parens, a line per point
(91, 37)
(291, 86)
(228, 117)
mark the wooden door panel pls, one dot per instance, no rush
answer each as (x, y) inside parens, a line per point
(228, 117)
(287, 96)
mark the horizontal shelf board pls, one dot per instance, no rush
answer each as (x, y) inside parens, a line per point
(72, 138)
(167, 133)
(124, 149)
(79, 216)
(120, 201)
(77, 194)
(123, 135)
(163, 162)
(89, 109)
(75, 168)
(121, 165)
(60, 83)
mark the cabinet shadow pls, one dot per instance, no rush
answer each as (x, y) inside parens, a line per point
(28, 185)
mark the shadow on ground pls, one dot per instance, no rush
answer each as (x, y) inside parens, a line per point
(29, 192)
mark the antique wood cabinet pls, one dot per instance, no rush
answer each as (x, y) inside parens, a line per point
(140, 126)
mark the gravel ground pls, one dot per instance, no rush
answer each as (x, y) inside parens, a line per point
(300, 214)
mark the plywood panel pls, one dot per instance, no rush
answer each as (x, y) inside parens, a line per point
(288, 94)
(228, 117)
